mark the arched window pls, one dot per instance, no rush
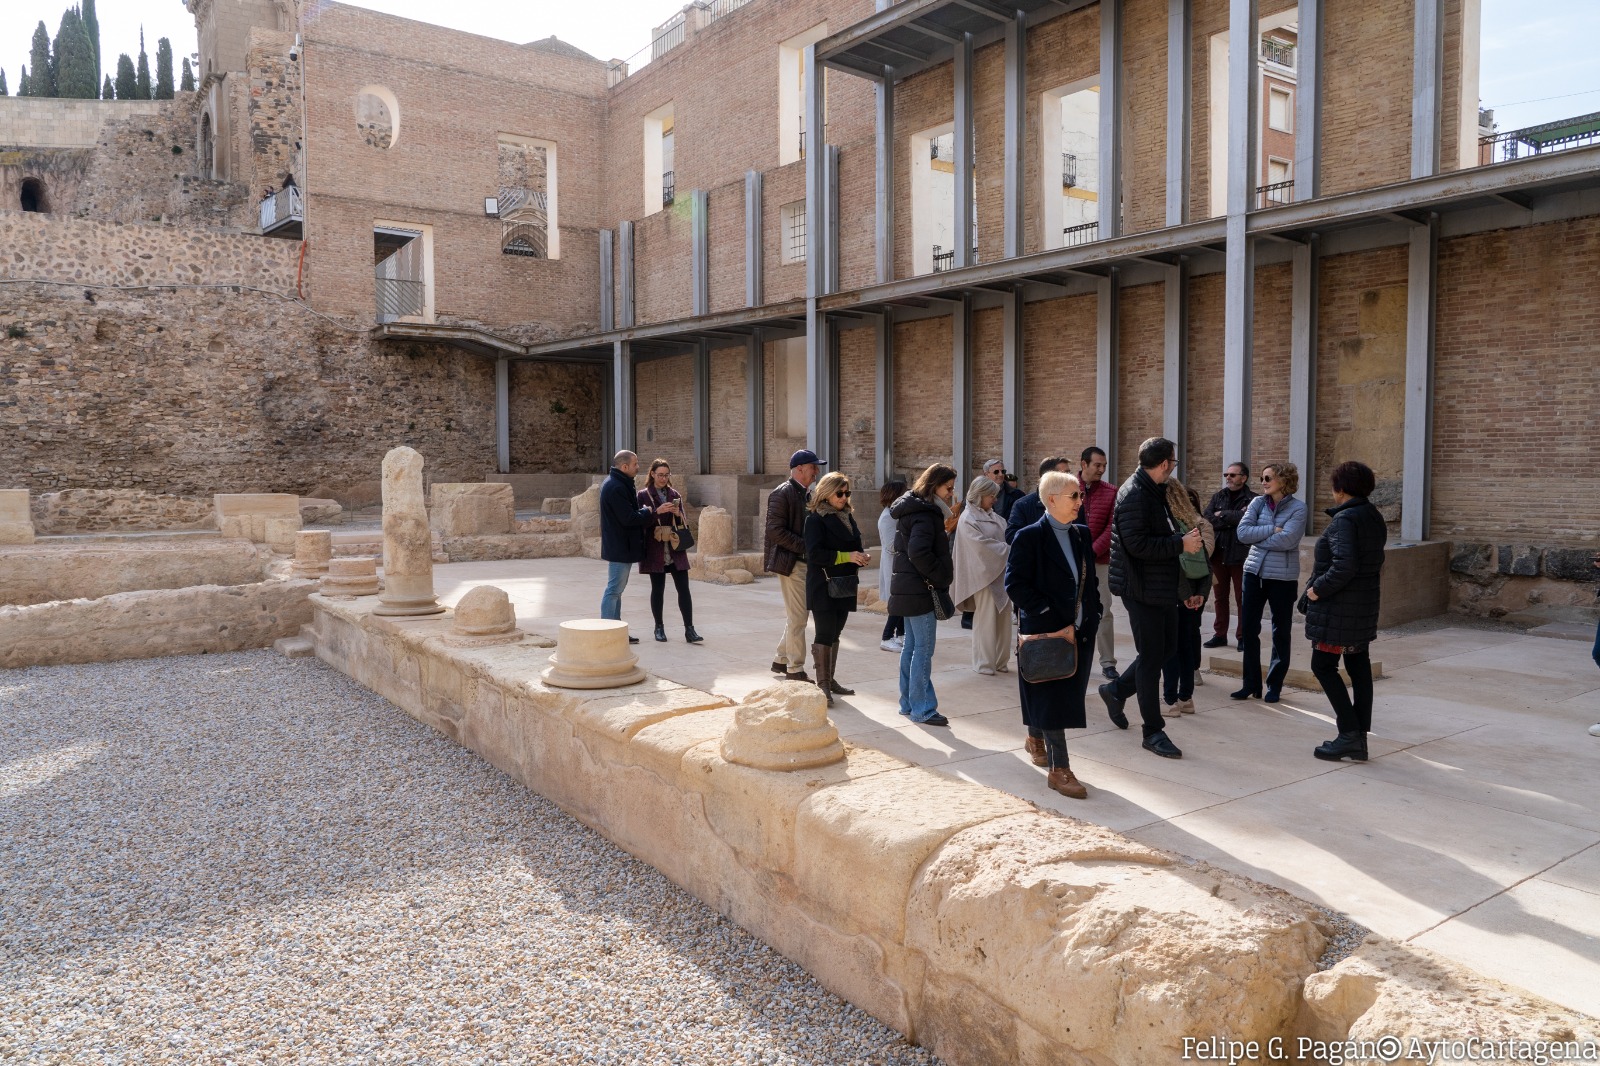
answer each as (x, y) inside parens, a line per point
(33, 197)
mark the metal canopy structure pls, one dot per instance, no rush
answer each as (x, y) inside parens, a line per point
(916, 34)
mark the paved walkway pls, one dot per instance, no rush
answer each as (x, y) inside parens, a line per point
(1472, 831)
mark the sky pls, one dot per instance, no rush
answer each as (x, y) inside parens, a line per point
(1533, 71)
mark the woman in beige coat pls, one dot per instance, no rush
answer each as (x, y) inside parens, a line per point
(980, 551)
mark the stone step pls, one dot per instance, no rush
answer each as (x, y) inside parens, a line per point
(294, 647)
(1297, 677)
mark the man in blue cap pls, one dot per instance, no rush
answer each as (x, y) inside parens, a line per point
(784, 554)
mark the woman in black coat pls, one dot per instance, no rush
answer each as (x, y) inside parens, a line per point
(1341, 601)
(922, 566)
(833, 551)
(660, 556)
(1051, 581)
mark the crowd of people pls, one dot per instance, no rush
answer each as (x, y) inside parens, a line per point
(1037, 567)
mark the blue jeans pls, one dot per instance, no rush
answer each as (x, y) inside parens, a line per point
(616, 580)
(917, 698)
(1597, 645)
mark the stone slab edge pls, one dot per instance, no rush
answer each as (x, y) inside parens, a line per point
(968, 919)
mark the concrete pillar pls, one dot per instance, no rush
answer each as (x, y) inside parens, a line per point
(1011, 356)
(1303, 367)
(963, 152)
(700, 252)
(1106, 370)
(754, 248)
(961, 389)
(702, 407)
(884, 214)
(1175, 360)
(755, 399)
(1427, 87)
(1308, 103)
(883, 406)
(622, 396)
(1179, 110)
(1416, 489)
(1016, 132)
(1110, 118)
(1239, 285)
(502, 415)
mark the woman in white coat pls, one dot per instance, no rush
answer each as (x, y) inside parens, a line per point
(894, 628)
(980, 552)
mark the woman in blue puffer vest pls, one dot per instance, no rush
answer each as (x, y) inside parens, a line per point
(1273, 525)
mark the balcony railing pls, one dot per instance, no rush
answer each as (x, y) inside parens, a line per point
(668, 36)
(1069, 170)
(1081, 234)
(1276, 51)
(946, 260)
(942, 151)
(802, 136)
(669, 189)
(1275, 195)
(282, 209)
(1554, 136)
(400, 298)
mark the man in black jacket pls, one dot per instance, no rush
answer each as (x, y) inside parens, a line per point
(1145, 545)
(784, 554)
(622, 531)
(1227, 558)
(1028, 510)
(995, 471)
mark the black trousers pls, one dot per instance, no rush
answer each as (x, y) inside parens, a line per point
(1353, 716)
(1155, 638)
(1258, 596)
(1177, 673)
(658, 595)
(894, 626)
(830, 624)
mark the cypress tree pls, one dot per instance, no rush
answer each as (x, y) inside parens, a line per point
(91, 23)
(187, 84)
(142, 91)
(75, 77)
(22, 84)
(127, 85)
(40, 80)
(3, 91)
(106, 91)
(163, 69)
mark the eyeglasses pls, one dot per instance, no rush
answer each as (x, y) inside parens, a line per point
(1232, 474)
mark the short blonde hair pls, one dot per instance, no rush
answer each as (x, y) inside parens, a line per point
(1055, 482)
(830, 484)
(1288, 476)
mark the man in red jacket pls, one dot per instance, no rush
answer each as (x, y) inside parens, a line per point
(1099, 501)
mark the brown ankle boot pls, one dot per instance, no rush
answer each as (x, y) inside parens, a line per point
(1061, 780)
(822, 666)
(1035, 749)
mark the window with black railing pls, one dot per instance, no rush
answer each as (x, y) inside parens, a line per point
(669, 189)
(1576, 132)
(1275, 194)
(1276, 51)
(1069, 170)
(1082, 233)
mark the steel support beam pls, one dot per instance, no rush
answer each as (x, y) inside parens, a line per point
(1239, 283)
(754, 250)
(1421, 293)
(1427, 87)
(883, 405)
(1180, 90)
(1016, 131)
(884, 214)
(961, 390)
(625, 280)
(1011, 379)
(1308, 103)
(830, 208)
(502, 415)
(700, 249)
(622, 396)
(963, 152)
(608, 281)
(1303, 366)
(1175, 359)
(702, 407)
(816, 171)
(1110, 119)
(1106, 370)
(755, 403)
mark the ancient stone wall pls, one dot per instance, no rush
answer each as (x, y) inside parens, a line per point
(40, 122)
(120, 511)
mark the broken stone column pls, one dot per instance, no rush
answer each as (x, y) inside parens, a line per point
(593, 653)
(407, 541)
(16, 521)
(716, 532)
(466, 510)
(354, 575)
(783, 727)
(312, 550)
(484, 618)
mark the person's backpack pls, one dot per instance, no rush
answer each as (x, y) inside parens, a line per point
(1194, 564)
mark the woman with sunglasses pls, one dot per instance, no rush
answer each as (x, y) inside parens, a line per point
(1272, 525)
(1050, 578)
(833, 560)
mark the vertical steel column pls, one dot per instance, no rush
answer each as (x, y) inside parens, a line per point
(1106, 371)
(1011, 379)
(1175, 359)
(1427, 88)
(1180, 90)
(502, 414)
(622, 395)
(700, 251)
(961, 390)
(1415, 487)
(625, 279)
(964, 231)
(1016, 135)
(1308, 105)
(884, 214)
(1110, 119)
(754, 250)
(608, 414)
(1239, 285)
(755, 401)
(818, 428)
(883, 407)
(1303, 366)
(830, 237)
(702, 407)
(608, 280)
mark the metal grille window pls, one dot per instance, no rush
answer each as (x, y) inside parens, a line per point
(794, 232)
(1081, 234)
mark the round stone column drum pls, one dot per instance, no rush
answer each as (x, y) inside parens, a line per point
(593, 653)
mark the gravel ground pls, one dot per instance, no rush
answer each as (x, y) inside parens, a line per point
(241, 858)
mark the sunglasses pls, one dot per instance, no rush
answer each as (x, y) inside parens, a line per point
(1233, 475)
(1266, 478)
(843, 492)
(1071, 495)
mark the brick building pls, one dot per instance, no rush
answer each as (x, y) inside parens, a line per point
(890, 234)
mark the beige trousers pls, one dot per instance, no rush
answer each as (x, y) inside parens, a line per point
(991, 633)
(1105, 641)
(792, 647)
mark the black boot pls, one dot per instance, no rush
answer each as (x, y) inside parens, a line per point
(1344, 746)
(661, 632)
(690, 635)
(823, 668)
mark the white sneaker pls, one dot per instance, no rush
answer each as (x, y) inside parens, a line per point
(1199, 678)
(986, 671)
(1594, 730)
(894, 644)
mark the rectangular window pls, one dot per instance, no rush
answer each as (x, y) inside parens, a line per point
(794, 232)
(660, 185)
(526, 198)
(1280, 109)
(791, 93)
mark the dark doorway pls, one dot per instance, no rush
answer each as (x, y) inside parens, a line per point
(33, 198)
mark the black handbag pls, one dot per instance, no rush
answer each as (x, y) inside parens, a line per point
(1051, 658)
(944, 608)
(680, 539)
(843, 586)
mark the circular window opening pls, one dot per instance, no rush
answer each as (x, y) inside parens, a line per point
(377, 116)
(33, 198)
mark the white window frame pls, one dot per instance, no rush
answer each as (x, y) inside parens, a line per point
(791, 91)
(425, 233)
(1288, 108)
(655, 125)
(552, 237)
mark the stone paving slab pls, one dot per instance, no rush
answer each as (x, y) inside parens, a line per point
(1473, 830)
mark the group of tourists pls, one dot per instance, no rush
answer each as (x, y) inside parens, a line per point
(1030, 573)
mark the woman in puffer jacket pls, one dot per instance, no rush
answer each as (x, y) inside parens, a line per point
(922, 570)
(1342, 600)
(1272, 525)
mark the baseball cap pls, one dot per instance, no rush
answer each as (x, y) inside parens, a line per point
(804, 456)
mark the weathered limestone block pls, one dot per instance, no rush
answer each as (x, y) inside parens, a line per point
(593, 653)
(716, 532)
(281, 532)
(44, 572)
(484, 618)
(350, 576)
(543, 524)
(407, 542)
(246, 514)
(783, 727)
(585, 512)
(320, 512)
(463, 510)
(119, 511)
(312, 550)
(510, 546)
(556, 505)
(16, 521)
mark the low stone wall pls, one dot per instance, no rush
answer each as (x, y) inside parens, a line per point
(39, 122)
(511, 546)
(1495, 580)
(972, 922)
(120, 511)
(152, 623)
(41, 573)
